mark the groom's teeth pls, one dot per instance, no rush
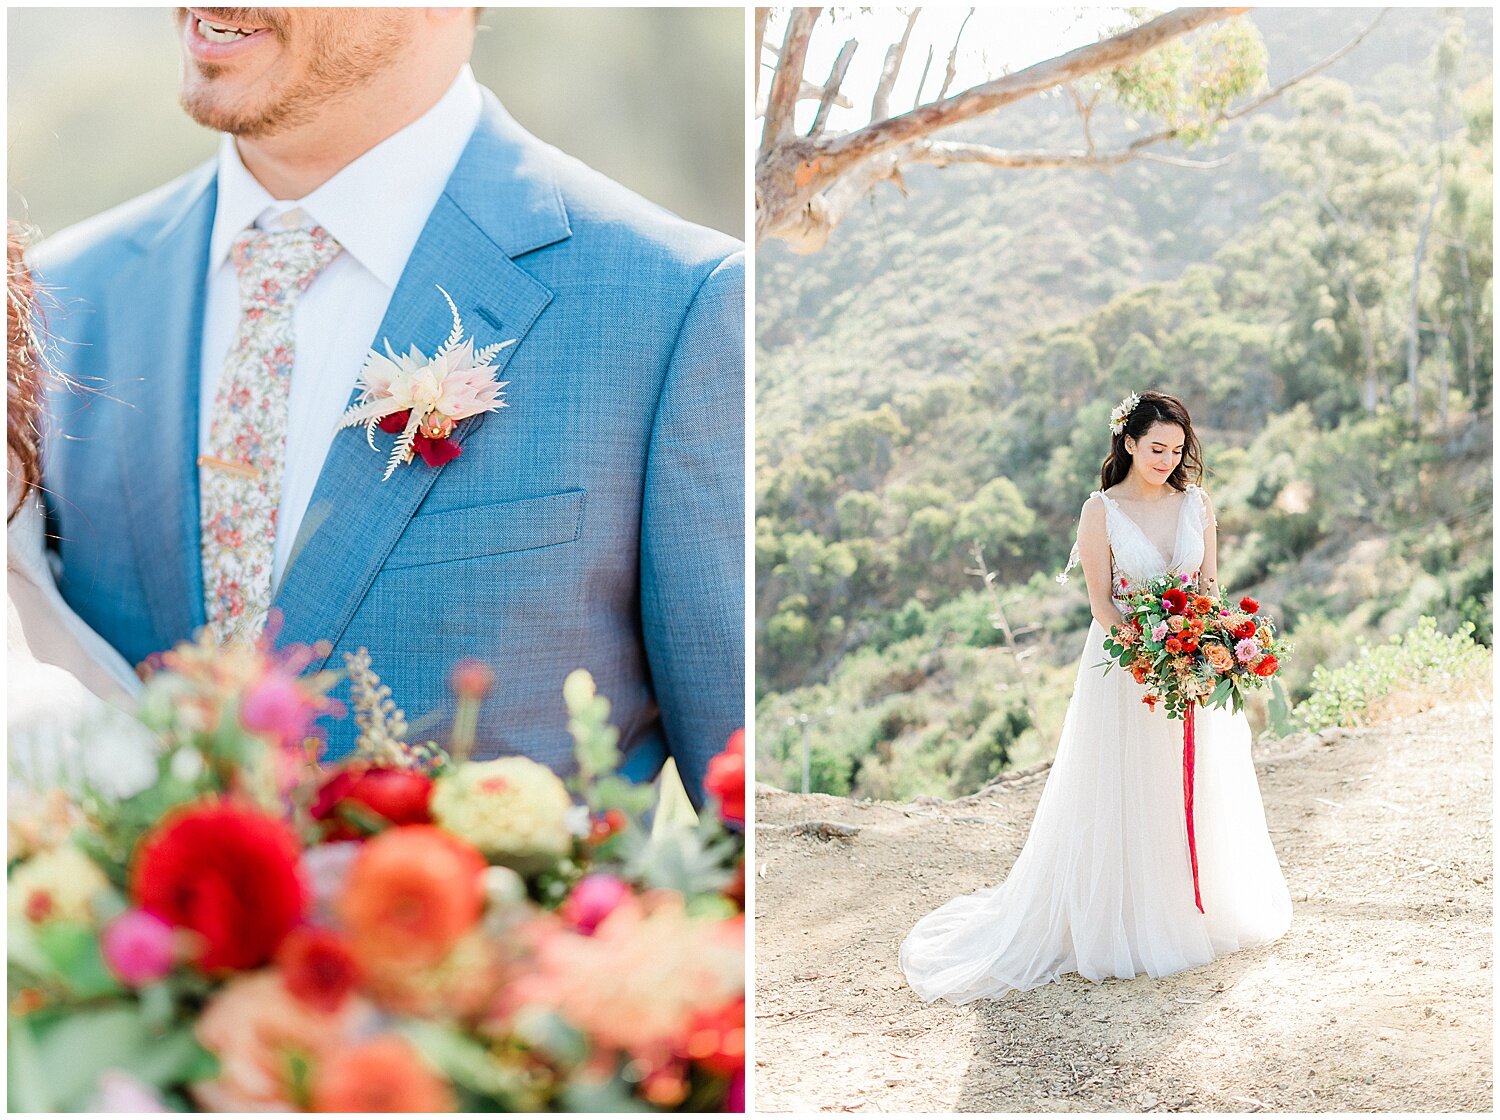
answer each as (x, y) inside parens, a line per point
(215, 34)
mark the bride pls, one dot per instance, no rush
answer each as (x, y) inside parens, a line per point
(1104, 886)
(65, 686)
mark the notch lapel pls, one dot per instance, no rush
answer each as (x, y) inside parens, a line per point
(500, 202)
(159, 465)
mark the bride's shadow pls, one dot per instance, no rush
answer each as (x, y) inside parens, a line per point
(1080, 1046)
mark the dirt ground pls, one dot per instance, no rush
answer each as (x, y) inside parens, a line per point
(1378, 999)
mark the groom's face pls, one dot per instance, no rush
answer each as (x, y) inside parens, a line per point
(254, 72)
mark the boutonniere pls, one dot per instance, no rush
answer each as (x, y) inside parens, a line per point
(423, 398)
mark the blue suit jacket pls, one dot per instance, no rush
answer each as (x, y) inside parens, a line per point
(596, 522)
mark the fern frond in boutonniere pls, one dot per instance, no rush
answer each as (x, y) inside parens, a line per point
(423, 398)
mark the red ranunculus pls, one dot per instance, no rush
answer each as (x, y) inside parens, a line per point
(1266, 665)
(434, 452)
(1189, 645)
(1175, 600)
(225, 871)
(360, 790)
(607, 824)
(317, 967)
(726, 778)
(1249, 605)
(1245, 629)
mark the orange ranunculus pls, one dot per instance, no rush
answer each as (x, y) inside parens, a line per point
(1202, 604)
(412, 893)
(1265, 666)
(1174, 645)
(258, 1031)
(1219, 657)
(384, 1074)
(1139, 673)
(715, 1039)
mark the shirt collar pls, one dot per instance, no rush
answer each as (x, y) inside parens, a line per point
(376, 206)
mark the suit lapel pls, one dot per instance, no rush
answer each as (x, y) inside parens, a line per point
(496, 205)
(159, 465)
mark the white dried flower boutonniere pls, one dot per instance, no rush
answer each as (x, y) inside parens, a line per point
(424, 398)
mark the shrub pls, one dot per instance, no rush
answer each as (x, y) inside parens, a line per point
(1422, 663)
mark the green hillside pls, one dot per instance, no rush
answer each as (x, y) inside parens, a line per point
(943, 372)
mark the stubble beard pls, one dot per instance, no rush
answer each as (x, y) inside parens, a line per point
(345, 63)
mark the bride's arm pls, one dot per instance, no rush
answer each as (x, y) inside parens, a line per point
(1208, 571)
(1093, 553)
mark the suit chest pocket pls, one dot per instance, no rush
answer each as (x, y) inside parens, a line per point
(489, 530)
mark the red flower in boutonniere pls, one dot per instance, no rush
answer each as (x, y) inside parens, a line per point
(423, 399)
(434, 449)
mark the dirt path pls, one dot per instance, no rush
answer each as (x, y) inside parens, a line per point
(1378, 999)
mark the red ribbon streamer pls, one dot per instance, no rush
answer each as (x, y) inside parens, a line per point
(1189, 748)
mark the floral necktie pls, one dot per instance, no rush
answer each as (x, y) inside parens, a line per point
(239, 479)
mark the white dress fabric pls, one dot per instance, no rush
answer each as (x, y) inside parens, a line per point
(65, 686)
(1103, 886)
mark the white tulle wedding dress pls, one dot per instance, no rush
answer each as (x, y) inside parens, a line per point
(1103, 886)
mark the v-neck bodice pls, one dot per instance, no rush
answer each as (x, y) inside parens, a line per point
(1135, 556)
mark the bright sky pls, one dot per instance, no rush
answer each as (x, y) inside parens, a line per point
(997, 39)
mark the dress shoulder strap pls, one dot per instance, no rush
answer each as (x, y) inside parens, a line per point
(1199, 498)
(1073, 558)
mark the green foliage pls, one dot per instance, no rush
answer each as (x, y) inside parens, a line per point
(1423, 661)
(1188, 81)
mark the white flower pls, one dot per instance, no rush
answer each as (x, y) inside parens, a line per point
(458, 382)
(1122, 412)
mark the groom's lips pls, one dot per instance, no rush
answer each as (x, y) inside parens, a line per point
(210, 50)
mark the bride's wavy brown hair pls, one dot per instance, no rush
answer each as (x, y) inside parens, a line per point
(1154, 408)
(23, 365)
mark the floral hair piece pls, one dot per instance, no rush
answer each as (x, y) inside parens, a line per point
(1121, 415)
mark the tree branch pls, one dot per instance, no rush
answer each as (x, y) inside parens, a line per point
(953, 57)
(782, 106)
(880, 104)
(761, 14)
(830, 178)
(940, 153)
(883, 135)
(926, 67)
(831, 90)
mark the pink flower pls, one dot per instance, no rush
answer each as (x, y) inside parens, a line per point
(119, 1091)
(734, 1099)
(1159, 631)
(137, 948)
(1247, 650)
(593, 899)
(279, 707)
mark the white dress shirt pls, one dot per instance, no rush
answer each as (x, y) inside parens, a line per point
(375, 208)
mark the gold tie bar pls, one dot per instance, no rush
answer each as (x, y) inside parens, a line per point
(245, 470)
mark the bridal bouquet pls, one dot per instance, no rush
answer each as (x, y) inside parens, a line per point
(251, 929)
(1187, 647)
